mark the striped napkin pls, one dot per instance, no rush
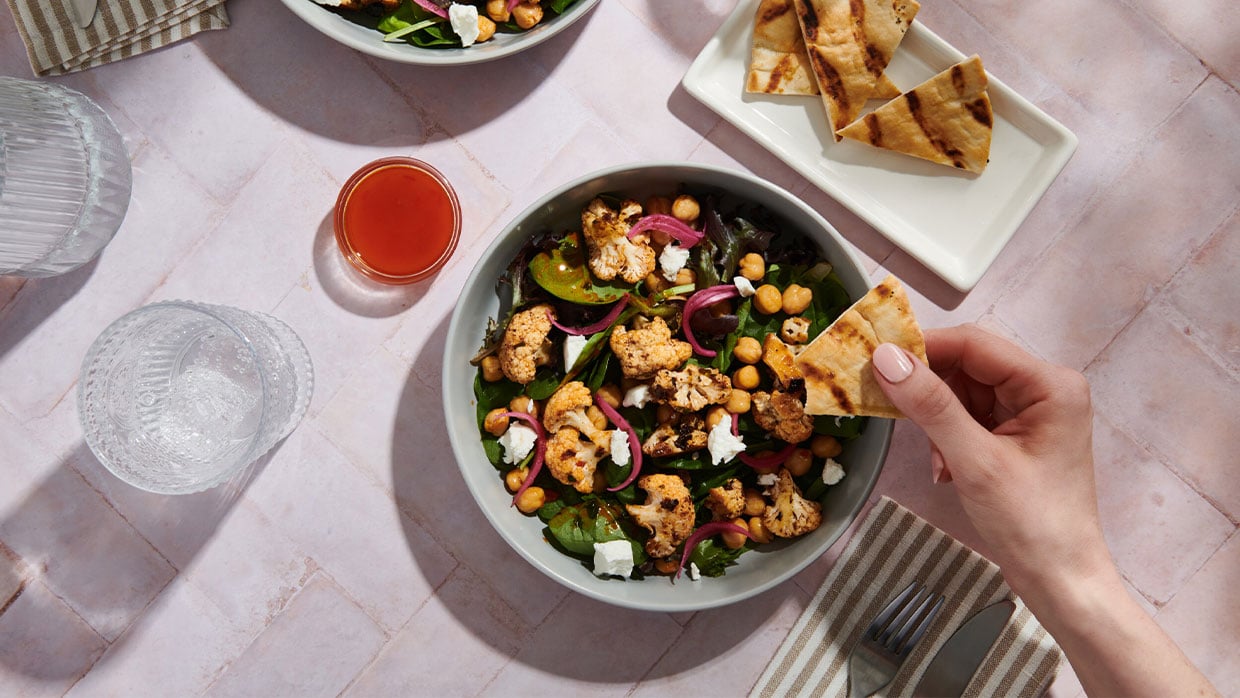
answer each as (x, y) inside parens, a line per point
(894, 547)
(122, 28)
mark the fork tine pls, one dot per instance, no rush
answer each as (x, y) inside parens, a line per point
(880, 621)
(912, 607)
(910, 639)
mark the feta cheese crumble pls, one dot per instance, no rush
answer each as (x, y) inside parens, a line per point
(637, 396)
(767, 479)
(573, 344)
(744, 286)
(832, 472)
(722, 444)
(613, 557)
(695, 574)
(672, 260)
(464, 19)
(620, 453)
(518, 441)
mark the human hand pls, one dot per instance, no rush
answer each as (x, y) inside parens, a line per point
(1014, 433)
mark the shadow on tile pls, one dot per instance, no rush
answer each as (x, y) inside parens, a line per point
(46, 295)
(349, 289)
(105, 550)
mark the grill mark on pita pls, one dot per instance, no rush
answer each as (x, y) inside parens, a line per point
(948, 151)
(809, 20)
(774, 12)
(774, 82)
(875, 129)
(841, 396)
(980, 109)
(958, 79)
(829, 81)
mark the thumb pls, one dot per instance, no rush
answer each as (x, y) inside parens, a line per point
(928, 402)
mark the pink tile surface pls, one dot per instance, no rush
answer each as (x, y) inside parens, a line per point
(353, 558)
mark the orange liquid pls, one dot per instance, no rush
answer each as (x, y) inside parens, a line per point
(399, 220)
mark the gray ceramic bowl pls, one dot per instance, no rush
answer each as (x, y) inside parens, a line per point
(755, 571)
(370, 41)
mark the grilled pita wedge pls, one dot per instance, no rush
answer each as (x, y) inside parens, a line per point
(839, 378)
(849, 44)
(778, 61)
(946, 119)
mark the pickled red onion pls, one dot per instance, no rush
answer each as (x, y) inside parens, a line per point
(679, 230)
(599, 326)
(540, 450)
(706, 531)
(635, 446)
(705, 297)
(512, 4)
(433, 8)
(766, 463)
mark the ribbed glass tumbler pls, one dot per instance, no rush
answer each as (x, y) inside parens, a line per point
(65, 178)
(177, 397)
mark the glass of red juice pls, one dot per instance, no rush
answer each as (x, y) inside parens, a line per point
(397, 220)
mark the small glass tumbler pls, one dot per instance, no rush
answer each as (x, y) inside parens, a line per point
(65, 178)
(177, 397)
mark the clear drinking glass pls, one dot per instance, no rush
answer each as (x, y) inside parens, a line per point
(176, 397)
(65, 178)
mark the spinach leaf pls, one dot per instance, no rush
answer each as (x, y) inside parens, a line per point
(544, 384)
(577, 528)
(703, 484)
(558, 6)
(491, 395)
(563, 272)
(840, 427)
(713, 557)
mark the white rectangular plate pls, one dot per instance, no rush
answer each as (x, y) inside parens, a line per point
(954, 222)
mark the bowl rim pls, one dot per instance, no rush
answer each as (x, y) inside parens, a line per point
(463, 321)
(326, 23)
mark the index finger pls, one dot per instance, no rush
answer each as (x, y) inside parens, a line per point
(1019, 378)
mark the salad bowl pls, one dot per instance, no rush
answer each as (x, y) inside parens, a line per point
(371, 42)
(754, 572)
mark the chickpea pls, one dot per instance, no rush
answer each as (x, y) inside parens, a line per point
(746, 378)
(795, 330)
(686, 276)
(686, 208)
(799, 462)
(667, 565)
(748, 350)
(491, 371)
(527, 14)
(524, 405)
(733, 539)
(531, 500)
(514, 478)
(495, 423)
(655, 283)
(486, 29)
(498, 10)
(597, 418)
(611, 394)
(754, 503)
(658, 205)
(767, 299)
(663, 414)
(739, 402)
(714, 415)
(824, 446)
(758, 531)
(752, 266)
(796, 299)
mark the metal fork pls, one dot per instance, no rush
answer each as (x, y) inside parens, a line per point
(890, 638)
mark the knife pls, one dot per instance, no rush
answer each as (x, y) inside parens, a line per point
(83, 11)
(958, 659)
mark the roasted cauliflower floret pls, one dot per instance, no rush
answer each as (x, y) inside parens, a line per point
(646, 351)
(691, 389)
(612, 253)
(789, 514)
(726, 502)
(525, 346)
(568, 408)
(667, 514)
(681, 435)
(783, 415)
(573, 461)
(795, 330)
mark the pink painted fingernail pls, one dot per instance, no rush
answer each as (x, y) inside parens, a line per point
(892, 362)
(936, 466)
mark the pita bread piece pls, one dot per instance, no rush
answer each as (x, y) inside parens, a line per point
(946, 119)
(850, 43)
(839, 378)
(778, 61)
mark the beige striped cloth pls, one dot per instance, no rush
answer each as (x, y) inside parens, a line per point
(892, 548)
(122, 28)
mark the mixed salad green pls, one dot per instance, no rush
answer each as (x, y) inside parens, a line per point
(639, 394)
(447, 23)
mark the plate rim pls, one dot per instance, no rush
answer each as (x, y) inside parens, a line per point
(1057, 152)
